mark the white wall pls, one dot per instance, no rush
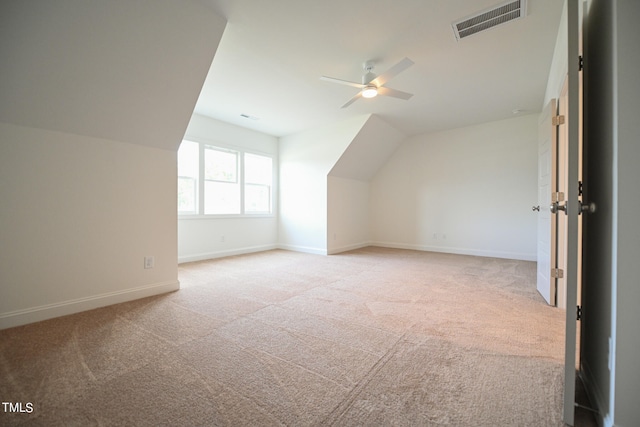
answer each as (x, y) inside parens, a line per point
(206, 237)
(305, 161)
(559, 65)
(467, 191)
(348, 184)
(95, 99)
(348, 224)
(78, 216)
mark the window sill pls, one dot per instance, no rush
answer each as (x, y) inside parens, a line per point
(228, 216)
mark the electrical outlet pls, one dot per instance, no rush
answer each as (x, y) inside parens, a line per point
(222, 239)
(149, 262)
(435, 236)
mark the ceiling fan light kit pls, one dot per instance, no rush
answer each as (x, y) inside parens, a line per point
(373, 85)
(370, 91)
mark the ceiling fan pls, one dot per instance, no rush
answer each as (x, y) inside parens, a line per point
(373, 85)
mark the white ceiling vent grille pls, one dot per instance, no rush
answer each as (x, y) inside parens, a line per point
(499, 14)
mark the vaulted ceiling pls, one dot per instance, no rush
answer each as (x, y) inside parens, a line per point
(124, 71)
(273, 53)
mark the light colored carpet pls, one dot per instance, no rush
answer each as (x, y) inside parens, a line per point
(372, 337)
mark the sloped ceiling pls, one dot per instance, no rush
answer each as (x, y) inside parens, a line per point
(128, 71)
(272, 55)
(369, 150)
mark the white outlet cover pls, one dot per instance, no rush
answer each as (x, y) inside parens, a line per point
(149, 262)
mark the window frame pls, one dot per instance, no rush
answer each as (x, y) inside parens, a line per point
(240, 177)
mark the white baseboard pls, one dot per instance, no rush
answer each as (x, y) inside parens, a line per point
(225, 253)
(247, 250)
(305, 249)
(49, 311)
(340, 249)
(336, 250)
(458, 251)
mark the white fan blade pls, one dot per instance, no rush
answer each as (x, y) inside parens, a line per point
(352, 100)
(342, 82)
(392, 72)
(386, 91)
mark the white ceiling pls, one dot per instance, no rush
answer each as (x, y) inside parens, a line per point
(272, 54)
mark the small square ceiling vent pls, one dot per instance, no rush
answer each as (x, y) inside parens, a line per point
(483, 20)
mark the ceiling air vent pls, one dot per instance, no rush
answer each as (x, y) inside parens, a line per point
(499, 14)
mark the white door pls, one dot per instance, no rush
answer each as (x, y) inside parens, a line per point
(574, 123)
(552, 189)
(561, 187)
(547, 143)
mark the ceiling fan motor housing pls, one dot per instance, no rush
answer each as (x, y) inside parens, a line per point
(369, 76)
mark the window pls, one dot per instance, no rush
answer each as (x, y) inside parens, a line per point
(221, 182)
(258, 172)
(234, 182)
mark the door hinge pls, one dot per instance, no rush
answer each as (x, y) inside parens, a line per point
(580, 63)
(578, 312)
(557, 196)
(580, 188)
(557, 120)
(557, 273)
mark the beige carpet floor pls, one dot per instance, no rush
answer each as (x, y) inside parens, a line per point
(372, 337)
